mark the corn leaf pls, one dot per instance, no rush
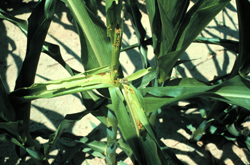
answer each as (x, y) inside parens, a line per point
(7, 112)
(144, 131)
(92, 5)
(68, 121)
(133, 10)
(124, 122)
(113, 17)
(38, 26)
(10, 128)
(90, 99)
(170, 12)
(95, 148)
(228, 44)
(95, 45)
(234, 91)
(6, 137)
(194, 21)
(50, 49)
(171, 40)
(243, 9)
(78, 83)
(22, 24)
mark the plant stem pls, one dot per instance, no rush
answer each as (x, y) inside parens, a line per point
(115, 64)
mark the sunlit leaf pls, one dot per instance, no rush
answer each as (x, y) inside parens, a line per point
(124, 122)
(144, 130)
(97, 147)
(234, 91)
(95, 45)
(78, 83)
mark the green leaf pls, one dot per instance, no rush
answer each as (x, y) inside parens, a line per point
(125, 147)
(51, 49)
(143, 77)
(34, 154)
(166, 64)
(90, 99)
(6, 137)
(124, 122)
(136, 108)
(140, 73)
(231, 129)
(151, 151)
(49, 8)
(78, 83)
(149, 145)
(22, 24)
(111, 138)
(193, 22)
(168, 30)
(65, 124)
(10, 128)
(155, 24)
(174, 10)
(7, 112)
(38, 27)
(95, 45)
(234, 91)
(133, 10)
(243, 9)
(113, 17)
(98, 147)
(54, 52)
(171, 13)
(228, 44)
(122, 163)
(196, 20)
(92, 5)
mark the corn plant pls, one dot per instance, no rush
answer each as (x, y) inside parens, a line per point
(126, 105)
